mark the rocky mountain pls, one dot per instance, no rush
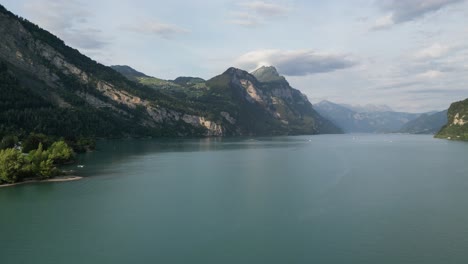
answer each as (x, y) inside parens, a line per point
(457, 126)
(363, 122)
(51, 88)
(252, 103)
(429, 123)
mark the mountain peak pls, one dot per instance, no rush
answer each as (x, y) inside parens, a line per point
(271, 69)
(267, 74)
(325, 102)
(232, 71)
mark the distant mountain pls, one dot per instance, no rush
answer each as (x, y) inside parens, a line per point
(369, 108)
(168, 87)
(188, 81)
(429, 123)
(352, 121)
(457, 125)
(340, 116)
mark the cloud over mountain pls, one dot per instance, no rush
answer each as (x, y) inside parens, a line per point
(295, 62)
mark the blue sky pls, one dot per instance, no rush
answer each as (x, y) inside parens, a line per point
(411, 55)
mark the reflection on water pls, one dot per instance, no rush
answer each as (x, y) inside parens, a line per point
(111, 152)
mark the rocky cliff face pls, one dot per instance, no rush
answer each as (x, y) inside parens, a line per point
(457, 125)
(272, 103)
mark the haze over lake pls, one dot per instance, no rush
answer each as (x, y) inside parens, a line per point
(320, 199)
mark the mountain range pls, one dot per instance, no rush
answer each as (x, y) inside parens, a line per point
(368, 108)
(428, 123)
(261, 101)
(51, 88)
(380, 119)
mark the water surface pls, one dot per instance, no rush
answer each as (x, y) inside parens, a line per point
(320, 199)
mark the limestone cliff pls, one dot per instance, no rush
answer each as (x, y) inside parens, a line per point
(457, 125)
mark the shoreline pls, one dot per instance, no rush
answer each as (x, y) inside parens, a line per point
(55, 179)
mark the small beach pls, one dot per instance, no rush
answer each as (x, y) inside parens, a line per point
(55, 179)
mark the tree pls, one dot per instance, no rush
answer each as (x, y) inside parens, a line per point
(12, 165)
(8, 141)
(33, 140)
(47, 169)
(3, 67)
(60, 152)
(82, 144)
(35, 157)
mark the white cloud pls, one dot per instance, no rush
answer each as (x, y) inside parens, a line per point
(252, 14)
(244, 19)
(266, 9)
(295, 62)
(436, 50)
(163, 30)
(384, 22)
(431, 74)
(400, 11)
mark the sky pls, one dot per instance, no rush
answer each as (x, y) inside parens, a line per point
(409, 54)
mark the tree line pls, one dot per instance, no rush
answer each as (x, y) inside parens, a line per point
(18, 163)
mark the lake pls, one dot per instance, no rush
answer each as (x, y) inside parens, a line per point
(305, 199)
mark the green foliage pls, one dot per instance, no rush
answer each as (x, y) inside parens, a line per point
(12, 165)
(82, 144)
(33, 141)
(189, 81)
(14, 96)
(23, 111)
(152, 81)
(8, 141)
(38, 163)
(47, 169)
(60, 153)
(34, 159)
(455, 130)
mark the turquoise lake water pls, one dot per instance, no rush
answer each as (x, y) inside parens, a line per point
(307, 199)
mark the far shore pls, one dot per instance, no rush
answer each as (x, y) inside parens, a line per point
(55, 179)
